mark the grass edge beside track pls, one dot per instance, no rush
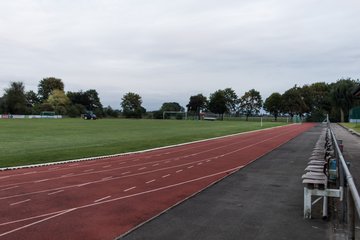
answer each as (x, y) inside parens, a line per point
(129, 153)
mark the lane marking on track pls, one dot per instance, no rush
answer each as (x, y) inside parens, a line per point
(190, 166)
(102, 199)
(29, 173)
(16, 203)
(208, 160)
(107, 166)
(55, 192)
(142, 168)
(59, 213)
(42, 180)
(165, 176)
(106, 178)
(122, 163)
(9, 188)
(5, 177)
(153, 180)
(125, 173)
(156, 164)
(199, 163)
(67, 175)
(178, 171)
(126, 190)
(89, 170)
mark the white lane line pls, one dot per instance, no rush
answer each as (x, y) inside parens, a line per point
(101, 199)
(73, 165)
(122, 163)
(199, 163)
(89, 170)
(156, 164)
(125, 173)
(208, 160)
(126, 190)
(153, 180)
(67, 175)
(190, 166)
(59, 213)
(107, 178)
(84, 184)
(9, 188)
(178, 171)
(142, 168)
(107, 166)
(16, 203)
(29, 173)
(4, 177)
(55, 192)
(42, 180)
(167, 175)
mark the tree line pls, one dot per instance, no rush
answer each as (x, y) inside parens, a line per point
(312, 101)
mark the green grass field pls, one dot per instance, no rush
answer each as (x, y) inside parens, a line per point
(353, 126)
(29, 141)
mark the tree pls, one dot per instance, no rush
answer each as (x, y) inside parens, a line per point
(14, 99)
(293, 102)
(131, 105)
(231, 99)
(273, 104)
(59, 101)
(171, 106)
(342, 97)
(89, 99)
(197, 103)
(31, 98)
(47, 85)
(321, 101)
(218, 103)
(250, 103)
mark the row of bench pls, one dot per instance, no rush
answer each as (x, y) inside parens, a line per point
(317, 170)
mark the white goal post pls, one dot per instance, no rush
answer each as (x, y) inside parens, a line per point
(176, 113)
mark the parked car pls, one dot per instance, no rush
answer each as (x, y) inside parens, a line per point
(90, 116)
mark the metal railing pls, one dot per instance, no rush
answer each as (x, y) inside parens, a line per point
(347, 182)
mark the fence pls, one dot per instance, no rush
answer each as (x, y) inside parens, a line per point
(351, 203)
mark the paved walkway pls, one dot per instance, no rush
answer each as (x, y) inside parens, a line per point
(261, 201)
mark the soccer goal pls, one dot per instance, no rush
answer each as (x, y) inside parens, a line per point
(175, 115)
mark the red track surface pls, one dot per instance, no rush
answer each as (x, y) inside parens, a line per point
(105, 198)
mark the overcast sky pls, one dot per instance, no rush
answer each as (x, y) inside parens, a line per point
(168, 50)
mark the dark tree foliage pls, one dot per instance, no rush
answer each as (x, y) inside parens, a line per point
(273, 104)
(250, 103)
(218, 103)
(171, 106)
(197, 103)
(47, 85)
(14, 99)
(131, 105)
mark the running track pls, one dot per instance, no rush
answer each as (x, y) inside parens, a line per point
(105, 198)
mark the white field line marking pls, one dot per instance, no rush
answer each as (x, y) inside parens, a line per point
(178, 171)
(107, 166)
(42, 180)
(30, 218)
(125, 173)
(165, 176)
(9, 188)
(208, 160)
(110, 200)
(136, 174)
(4, 177)
(199, 163)
(55, 192)
(126, 190)
(16, 203)
(142, 168)
(153, 180)
(89, 170)
(101, 199)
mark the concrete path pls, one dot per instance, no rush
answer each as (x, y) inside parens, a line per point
(261, 201)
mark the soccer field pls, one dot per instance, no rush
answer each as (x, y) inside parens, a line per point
(29, 141)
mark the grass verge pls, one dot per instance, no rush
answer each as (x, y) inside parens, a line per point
(31, 141)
